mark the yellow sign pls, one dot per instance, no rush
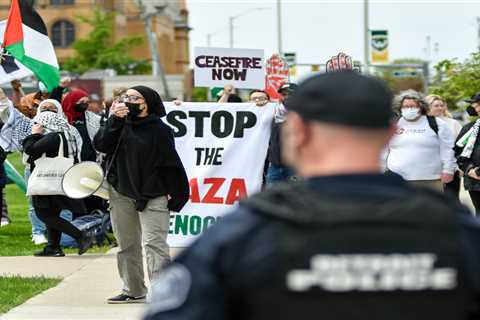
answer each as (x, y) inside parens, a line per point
(379, 46)
(315, 67)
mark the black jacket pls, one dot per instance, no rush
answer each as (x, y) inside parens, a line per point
(35, 146)
(465, 164)
(284, 254)
(146, 165)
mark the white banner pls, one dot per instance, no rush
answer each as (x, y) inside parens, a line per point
(223, 147)
(216, 67)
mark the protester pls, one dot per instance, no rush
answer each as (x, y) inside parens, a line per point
(28, 104)
(48, 131)
(350, 237)
(421, 150)
(467, 152)
(15, 129)
(229, 95)
(4, 219)
(277, 171)
(147, 182)
(438, 108)
(259, 97)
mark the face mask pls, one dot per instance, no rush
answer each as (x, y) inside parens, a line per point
(410, 113)
(133, 109)
(471, 111)
(81, 107)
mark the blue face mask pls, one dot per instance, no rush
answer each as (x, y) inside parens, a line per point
(410, 113)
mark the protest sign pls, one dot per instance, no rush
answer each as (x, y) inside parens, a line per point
(277, 74)
(223, 147)
(216, 67)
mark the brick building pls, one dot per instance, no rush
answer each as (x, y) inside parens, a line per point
(170, 25)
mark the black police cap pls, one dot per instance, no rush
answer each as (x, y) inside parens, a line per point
(344, 98)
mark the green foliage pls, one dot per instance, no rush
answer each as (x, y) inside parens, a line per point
(456, 81)
(200, 94)
(99, 51)
(15, 290)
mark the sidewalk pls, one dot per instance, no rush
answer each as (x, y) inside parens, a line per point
(89, 281)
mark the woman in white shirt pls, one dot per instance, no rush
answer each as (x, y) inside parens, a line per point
(438, 108)
(421, 150)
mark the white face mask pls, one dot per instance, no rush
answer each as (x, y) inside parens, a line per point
(410, 113)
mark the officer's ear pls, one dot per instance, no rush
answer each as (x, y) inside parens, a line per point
(294, 134)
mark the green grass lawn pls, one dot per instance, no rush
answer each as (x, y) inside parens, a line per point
(15, 238)
(15, 290)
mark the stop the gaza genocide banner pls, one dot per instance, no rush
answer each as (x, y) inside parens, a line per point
(216, 67)
(223, 149)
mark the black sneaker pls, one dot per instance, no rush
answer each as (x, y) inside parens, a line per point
(85, 242)
(50, 252)
(123, 298)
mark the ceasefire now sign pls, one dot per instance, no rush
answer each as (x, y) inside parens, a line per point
(216, 67)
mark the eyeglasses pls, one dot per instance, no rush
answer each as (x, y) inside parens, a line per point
(133, 98)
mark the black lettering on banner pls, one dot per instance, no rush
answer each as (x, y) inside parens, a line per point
(199, 119)
(223, 123)
(245, 120)
(172, 120)
(217, 119)
(216, 74)
(211, 156)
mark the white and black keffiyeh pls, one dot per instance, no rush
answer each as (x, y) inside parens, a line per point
(54, 122)
(468, 140)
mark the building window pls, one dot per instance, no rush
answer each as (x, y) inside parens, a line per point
(63, 34)
(60, 2)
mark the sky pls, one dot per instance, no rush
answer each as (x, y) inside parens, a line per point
(318, 29)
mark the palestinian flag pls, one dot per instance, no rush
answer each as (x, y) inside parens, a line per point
(26, 48)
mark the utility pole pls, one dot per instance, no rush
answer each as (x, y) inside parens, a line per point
(478, 33)
(366, 31)
(230, 24)
(279, 26)
(157, 69)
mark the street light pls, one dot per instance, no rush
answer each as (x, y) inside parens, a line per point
(209, 36)
(238, 16)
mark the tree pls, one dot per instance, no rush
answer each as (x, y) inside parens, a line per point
(99, 51)
(456, 81)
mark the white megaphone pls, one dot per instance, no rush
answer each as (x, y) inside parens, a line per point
(85, 179)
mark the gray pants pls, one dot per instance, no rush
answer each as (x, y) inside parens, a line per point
(130, 228)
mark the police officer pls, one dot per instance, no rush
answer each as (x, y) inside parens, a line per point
(345, 243)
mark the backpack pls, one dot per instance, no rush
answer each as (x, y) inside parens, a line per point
(98, 222)
(432, 122)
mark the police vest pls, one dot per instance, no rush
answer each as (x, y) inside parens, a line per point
(399, 257)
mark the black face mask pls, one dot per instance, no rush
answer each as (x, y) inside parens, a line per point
(81, 107)
(133, 109)
(471, 111)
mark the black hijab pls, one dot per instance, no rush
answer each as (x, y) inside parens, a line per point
(153, 100)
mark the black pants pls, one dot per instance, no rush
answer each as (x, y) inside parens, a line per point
(56, 225)
(475, 196)
(453, 188)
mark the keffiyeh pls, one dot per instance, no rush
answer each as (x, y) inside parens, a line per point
(54, 122)
(467, 141)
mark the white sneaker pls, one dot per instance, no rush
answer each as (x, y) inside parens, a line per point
(4, 222)
(39, 239)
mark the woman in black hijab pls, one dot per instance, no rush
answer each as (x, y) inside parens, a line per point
(147, 181)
